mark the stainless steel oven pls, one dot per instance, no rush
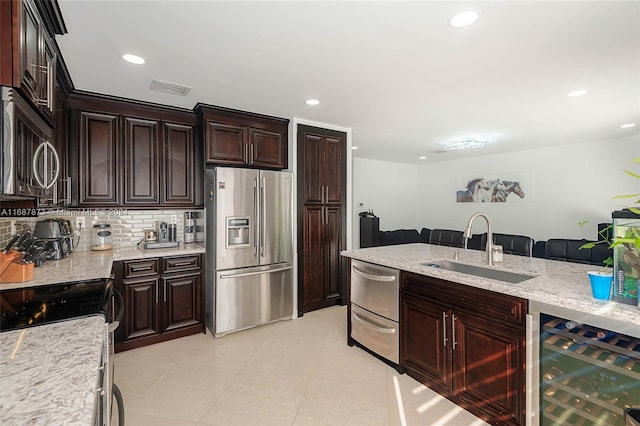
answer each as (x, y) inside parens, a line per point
(30, 164)
(375, 310)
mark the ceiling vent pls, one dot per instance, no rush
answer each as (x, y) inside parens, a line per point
(165, 86)
(438, 151)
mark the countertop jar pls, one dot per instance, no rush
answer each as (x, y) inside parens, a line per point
(101, 238)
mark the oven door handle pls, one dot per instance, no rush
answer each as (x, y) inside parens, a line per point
(382, 278)
(374, 326)
(116, 322)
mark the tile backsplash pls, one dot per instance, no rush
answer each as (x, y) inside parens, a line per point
(127, 226)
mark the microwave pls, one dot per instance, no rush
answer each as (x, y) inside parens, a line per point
(29, 163)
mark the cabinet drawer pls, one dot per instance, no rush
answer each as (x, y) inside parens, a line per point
(181, 263)
(140, 268)
(497, 307)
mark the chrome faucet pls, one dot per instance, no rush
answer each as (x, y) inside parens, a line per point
(467, 235)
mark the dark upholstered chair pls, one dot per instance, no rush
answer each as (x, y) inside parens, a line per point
(569, 250)
(389, 238)
(411, 236)
(399, 236)
(539, 248)
(446, 237)
(519, 245)
(424, 234)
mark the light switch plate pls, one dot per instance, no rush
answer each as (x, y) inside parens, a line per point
(174, 218)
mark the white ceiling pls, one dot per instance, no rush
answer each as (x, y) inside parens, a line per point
(394, 72)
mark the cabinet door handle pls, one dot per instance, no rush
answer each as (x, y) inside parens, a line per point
(326, 194)
(157, 292)
(453, 331)
(250, 154)
(164, 287)
(246, 156)
(182, 264)
(444, 329)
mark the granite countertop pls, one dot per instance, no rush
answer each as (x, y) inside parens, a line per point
(89, 264)
(134, 252)
(557, 288)
(49, 374)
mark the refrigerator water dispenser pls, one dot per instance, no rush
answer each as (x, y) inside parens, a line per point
(238, 232)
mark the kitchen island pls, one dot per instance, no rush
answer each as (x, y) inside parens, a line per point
(557, 287)
(527, 352)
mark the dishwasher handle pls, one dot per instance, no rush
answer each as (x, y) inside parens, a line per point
(381, 278)
(373, 326)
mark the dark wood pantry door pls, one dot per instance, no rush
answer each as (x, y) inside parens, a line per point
(321, 217)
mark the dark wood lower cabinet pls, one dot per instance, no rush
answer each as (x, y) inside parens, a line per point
(467, 344)
(163, 299)
(181, 301)
(140, 316)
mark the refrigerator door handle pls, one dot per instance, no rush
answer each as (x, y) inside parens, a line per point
(263, 228)
(256, 216)
(249, 274)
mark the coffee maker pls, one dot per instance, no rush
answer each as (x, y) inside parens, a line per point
(163, 232)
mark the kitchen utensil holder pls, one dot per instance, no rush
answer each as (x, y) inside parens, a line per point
(12, 270)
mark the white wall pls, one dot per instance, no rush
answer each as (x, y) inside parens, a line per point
(390, 190)
(570, 183)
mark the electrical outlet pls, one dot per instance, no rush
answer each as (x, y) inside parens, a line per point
(13, 227)
(174, 218)
(80, 223)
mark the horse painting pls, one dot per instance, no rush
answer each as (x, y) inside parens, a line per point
(490, 191)
(470, 195)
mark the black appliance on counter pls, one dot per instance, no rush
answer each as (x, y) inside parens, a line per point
(32, 306)
(57, 235)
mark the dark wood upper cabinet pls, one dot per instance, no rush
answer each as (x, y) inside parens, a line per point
(268, 149)
(239, 138)
(28, 54)
(141, 171)
(180, 166)
(154, 158)
(98, 178)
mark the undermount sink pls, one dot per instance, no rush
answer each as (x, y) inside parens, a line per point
(479, 271)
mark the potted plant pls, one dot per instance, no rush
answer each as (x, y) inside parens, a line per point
(626, 247)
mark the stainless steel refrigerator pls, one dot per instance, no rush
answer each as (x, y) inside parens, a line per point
(249, 248)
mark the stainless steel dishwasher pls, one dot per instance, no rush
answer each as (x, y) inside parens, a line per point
(375, 309)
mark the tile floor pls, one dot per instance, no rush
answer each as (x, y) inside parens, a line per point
(298, 372)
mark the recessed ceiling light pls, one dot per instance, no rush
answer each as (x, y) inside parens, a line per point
(628, 125)
(312, 102)
(133, 59)
(354, 147)
(463, 19)
(577, 93)
(422, 157)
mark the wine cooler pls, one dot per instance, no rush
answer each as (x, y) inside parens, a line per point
(588, 375)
